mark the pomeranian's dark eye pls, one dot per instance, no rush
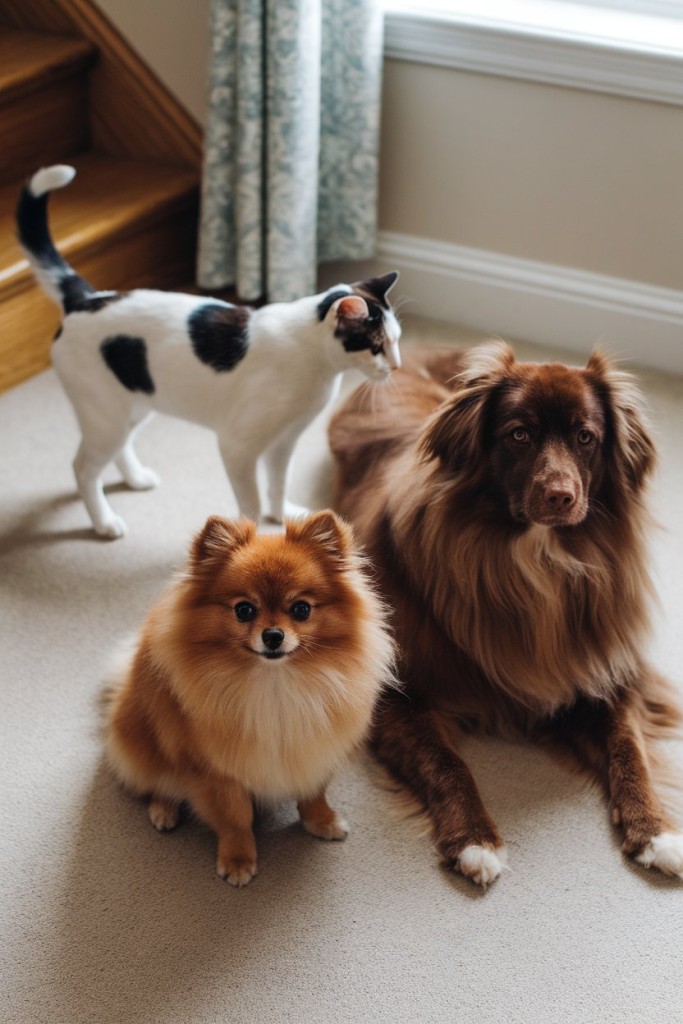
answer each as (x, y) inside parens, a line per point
(300, 610)
(245, 611)
(584, 437)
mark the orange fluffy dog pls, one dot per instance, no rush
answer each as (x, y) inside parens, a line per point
(503, 505)
(254, 679)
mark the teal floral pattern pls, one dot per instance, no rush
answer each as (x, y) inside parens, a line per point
(290, 168)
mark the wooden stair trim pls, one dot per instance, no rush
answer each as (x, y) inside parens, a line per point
(133, 112)
(53, 58)
(130, 220)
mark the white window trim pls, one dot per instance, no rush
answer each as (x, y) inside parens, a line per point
(659, 8)
(645, 64)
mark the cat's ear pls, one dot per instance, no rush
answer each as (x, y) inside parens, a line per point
(220, 537)
(378, 287)
(351, 310)
(326, 531)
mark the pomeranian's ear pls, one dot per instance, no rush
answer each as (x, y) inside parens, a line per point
(326, 530)
(455, 432)
(624, 408)
(219, 537)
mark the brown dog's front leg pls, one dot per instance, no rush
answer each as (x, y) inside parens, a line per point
(609, 738)
(407, 740)
(649, 835)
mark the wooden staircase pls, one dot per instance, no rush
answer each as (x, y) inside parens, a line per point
(72, 91)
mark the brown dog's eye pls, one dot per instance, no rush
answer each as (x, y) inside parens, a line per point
(520, 435)
(584, 437)
(300, 610)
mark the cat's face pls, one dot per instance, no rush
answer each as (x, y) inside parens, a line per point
(364, 325)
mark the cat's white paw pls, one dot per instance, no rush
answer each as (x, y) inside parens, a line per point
(144, 479)
(112, 527)
(290, 511)
(664, 852)
(293, 511)
(482, 864)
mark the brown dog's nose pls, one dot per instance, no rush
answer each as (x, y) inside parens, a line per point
(560, 497)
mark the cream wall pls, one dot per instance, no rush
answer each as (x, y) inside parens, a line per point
(528, 170)
(172, 36)
(536, 171)
(534, 211)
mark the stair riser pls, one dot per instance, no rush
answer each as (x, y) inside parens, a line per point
(161, 255)
(43, 127)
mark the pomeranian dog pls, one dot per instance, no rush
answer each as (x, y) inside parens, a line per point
(254, 679)
(503, 504)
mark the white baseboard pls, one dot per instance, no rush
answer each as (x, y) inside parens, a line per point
(538, 302)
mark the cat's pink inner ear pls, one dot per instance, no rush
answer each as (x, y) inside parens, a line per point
(353, 308)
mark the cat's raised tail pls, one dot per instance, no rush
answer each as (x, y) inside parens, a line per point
(53, 273)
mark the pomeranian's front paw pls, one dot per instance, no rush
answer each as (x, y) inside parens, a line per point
(238, 871)
(321, 820)
(112, 527)
(664, 852)
(337, 829)
(163, 814)
(327, 828)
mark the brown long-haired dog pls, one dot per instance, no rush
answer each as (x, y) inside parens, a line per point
(502, 504)
(254, 679)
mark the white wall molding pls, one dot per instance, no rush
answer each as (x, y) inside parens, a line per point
(519, 51)
(539, 302)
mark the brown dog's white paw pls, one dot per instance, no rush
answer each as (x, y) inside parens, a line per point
(482, 864)
(664, 852)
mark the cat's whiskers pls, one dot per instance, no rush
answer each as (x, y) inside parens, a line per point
(405, 300)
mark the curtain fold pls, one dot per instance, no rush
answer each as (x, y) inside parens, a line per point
(290, 169)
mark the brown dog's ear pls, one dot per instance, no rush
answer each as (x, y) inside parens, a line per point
(455, 431)
(326, 530)
(219, 537)
(623, 402)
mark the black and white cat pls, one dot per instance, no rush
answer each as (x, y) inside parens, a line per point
(255, 376)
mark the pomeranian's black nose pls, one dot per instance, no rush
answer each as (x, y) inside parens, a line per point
(272, 638)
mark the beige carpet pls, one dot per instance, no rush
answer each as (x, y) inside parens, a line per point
(104, 921)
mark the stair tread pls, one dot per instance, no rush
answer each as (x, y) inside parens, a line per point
(29, 59)
(108, 195)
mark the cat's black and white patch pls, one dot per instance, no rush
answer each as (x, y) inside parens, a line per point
(256, 377)
(126, 357)
(219, 334)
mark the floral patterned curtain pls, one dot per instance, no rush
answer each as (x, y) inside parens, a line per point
(290, 172)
